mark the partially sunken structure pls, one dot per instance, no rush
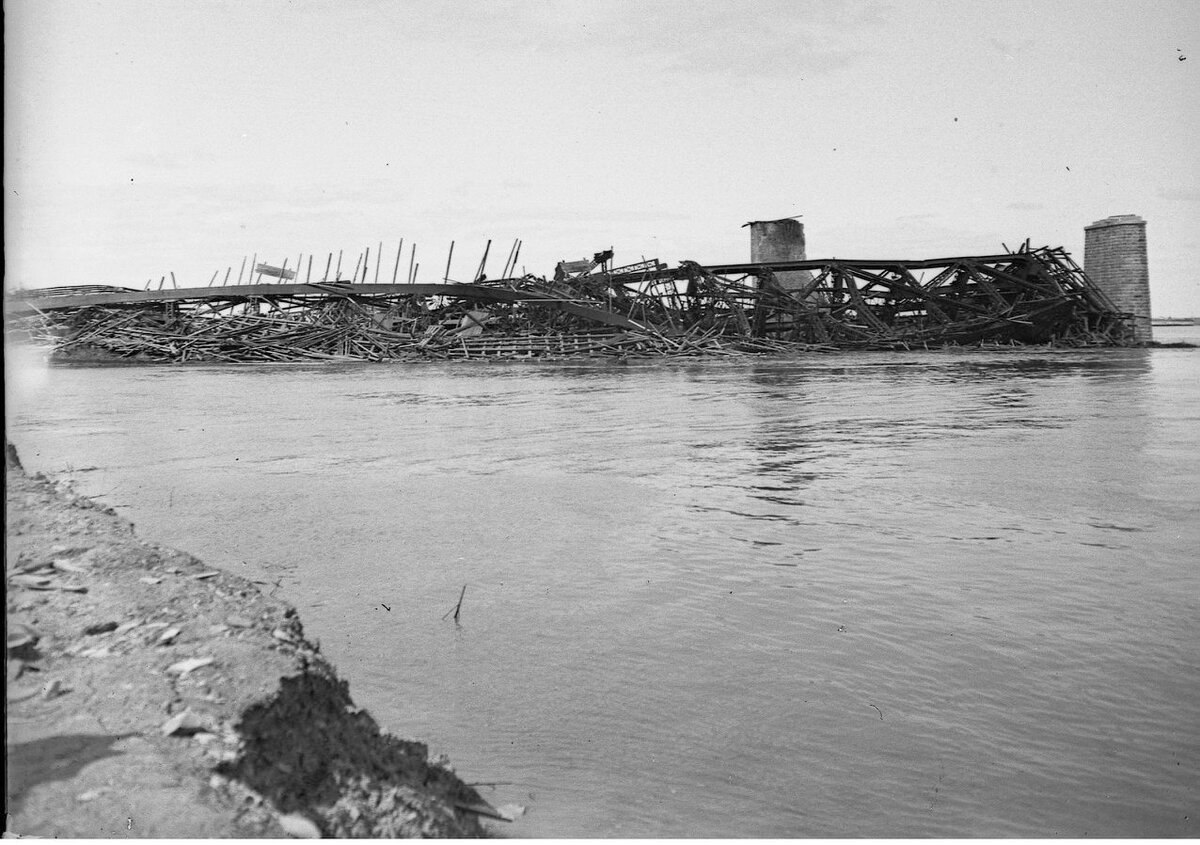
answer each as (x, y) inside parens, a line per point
(779, 301)
(1115, 259)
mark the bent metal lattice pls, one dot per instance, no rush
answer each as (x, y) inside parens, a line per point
(1031, 296)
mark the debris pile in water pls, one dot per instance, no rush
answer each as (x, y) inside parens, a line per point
(592, 309)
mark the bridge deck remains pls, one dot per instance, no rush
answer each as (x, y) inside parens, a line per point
(1030, 296)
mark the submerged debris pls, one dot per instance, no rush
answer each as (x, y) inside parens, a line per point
(591, 309)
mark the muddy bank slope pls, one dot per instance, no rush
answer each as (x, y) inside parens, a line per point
(149, 695)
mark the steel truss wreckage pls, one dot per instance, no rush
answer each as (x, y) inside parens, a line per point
(1031, 296)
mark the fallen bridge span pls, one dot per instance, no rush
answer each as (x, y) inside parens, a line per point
(1031, 296)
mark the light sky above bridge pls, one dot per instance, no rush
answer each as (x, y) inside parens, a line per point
(143, 138)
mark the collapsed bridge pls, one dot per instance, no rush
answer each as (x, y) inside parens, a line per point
(590, 308)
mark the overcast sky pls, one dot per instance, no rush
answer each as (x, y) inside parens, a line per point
(148, 137)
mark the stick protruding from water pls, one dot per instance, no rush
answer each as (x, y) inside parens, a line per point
(457, 607)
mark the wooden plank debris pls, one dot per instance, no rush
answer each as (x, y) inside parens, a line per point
(589, 309)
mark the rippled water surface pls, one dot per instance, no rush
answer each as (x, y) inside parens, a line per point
(841, 595)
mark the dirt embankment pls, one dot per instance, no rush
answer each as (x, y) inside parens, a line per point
(149, 695)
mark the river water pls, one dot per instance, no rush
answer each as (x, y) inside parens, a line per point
(886, 595)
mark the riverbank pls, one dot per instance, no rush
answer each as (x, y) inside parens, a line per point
(152, 696)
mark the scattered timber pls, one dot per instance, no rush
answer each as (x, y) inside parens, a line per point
(590, 309)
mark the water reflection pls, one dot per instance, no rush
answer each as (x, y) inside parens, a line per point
(1110, 364)
(700, 574)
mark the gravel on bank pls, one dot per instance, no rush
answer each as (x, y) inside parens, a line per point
(152, 696)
